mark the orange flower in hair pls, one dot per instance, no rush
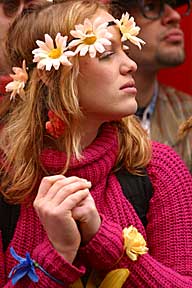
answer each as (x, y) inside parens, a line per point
(55, 126)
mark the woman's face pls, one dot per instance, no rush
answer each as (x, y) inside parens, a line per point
(105, 83)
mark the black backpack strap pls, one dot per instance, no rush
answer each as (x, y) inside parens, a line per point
(138, 190)
(9, 215)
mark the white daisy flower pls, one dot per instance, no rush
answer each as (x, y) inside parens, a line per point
(47, 55)
(19, 80)
(90, 38)
(129, 30)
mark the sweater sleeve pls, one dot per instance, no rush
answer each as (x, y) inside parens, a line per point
(46, 256)
(107, 254)
(169, 239)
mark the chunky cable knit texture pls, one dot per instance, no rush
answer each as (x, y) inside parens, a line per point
(168, 233)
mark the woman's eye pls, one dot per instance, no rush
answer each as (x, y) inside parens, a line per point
(106, 55)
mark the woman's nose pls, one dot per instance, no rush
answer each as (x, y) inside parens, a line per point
(128, 66)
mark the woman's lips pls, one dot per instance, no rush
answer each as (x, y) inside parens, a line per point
(129, 88)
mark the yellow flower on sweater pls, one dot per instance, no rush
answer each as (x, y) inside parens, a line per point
(134, 243)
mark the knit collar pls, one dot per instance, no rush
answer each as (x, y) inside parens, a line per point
(97, 160)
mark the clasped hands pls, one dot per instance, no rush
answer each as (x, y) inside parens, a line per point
(68, 213)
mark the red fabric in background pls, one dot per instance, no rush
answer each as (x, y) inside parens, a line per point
(4, 80)
(181, 77)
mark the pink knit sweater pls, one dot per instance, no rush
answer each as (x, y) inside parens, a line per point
(168, 233)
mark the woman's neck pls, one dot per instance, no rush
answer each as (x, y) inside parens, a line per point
(89, 131)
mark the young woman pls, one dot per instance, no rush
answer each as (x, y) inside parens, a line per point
(78, 171)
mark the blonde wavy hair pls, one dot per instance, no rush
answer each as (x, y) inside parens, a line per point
(24, 136)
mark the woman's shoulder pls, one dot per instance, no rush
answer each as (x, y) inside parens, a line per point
(163, 150)
(169, 175)
(166, 161)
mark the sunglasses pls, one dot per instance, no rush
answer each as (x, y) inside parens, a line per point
(10, 7)
(154, 9)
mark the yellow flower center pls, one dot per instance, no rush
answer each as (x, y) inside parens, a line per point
(55, 53)
(89, 40)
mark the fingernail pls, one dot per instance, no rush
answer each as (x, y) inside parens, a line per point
(87, 182)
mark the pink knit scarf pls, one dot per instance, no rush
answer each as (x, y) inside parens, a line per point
(97, 160)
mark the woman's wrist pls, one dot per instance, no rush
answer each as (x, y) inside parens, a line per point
(88, 234)
(68, 255)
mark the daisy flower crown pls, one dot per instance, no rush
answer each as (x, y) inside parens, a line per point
(88, 38)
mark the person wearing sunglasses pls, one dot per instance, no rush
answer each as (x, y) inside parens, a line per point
(161, 108)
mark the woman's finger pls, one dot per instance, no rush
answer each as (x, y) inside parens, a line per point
(73, 200)
(46, 184)
(68, 190)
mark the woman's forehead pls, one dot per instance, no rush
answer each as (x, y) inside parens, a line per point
(102, 16)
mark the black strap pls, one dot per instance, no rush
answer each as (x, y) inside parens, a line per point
(9, 215)
(138, 190)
